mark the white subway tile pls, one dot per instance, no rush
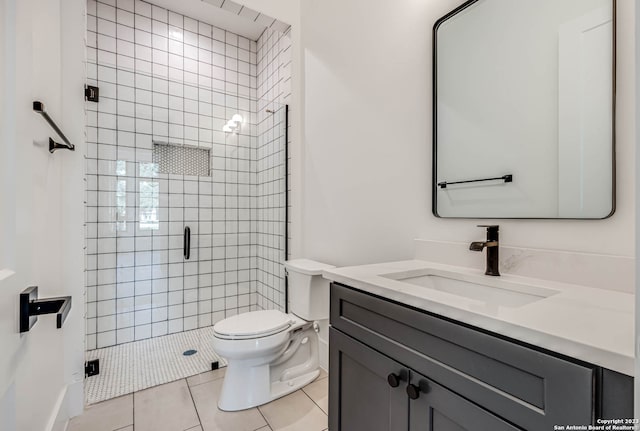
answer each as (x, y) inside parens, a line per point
(160, 42)
(143, 8)
(142, 23)
(160, 14)
(106, 308)
(106, 323)
(142, 332)
(105, 11)
(161, 98)
(106, 339)
(190, 38)
(143, 52)
(92, 7)
(191, 25)
(127, 5)
(125, 335)
(160, 28)
(107, 28)
(176, 325)
(160, 57)
(176, 19)
(125, 305)
(125, 18)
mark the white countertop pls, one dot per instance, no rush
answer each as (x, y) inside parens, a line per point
(593, 325)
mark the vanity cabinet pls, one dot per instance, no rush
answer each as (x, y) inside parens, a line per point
(393, 367)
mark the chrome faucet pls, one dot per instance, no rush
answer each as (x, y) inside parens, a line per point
(492, 249)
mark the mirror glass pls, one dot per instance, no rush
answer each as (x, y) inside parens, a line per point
(523, 110)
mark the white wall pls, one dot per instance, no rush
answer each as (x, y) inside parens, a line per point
(43, 244)
(367, 125)
(367, 139)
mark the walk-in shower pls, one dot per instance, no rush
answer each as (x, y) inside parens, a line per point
(186, 188)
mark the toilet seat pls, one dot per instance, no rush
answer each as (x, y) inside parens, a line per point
(255, 324)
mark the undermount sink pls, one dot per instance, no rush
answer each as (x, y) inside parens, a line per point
(496, 292)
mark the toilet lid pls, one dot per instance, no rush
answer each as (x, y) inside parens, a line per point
(253, 324)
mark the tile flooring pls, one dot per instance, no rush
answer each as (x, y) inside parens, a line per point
(191, 405)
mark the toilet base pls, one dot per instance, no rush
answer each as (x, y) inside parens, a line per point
(253, 382)
(246, 399)
(280, 389)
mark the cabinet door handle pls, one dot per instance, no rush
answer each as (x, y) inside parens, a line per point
(413, 391)
(394, 379)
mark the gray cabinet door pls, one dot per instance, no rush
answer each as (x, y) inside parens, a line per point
(438, 409)
(360, 395)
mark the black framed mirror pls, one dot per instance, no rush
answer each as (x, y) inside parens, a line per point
(524, 110)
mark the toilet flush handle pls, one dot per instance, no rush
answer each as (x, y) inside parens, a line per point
(316, 327)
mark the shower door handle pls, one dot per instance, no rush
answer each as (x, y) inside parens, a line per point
(187, 243)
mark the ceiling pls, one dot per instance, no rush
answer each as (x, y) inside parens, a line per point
(225, 14)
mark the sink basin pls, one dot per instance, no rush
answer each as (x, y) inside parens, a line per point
(496, 292)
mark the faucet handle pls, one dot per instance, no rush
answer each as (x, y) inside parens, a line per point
(490, 226)
(492, 231)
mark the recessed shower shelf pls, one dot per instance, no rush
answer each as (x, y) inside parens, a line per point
(31, 307)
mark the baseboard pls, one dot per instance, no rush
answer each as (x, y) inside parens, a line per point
(8, 409)
(70, 403)
(323, 353)
(323, 343)
(75, 398)
(59, 418)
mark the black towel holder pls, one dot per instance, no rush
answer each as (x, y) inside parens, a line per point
(506, 178)
(31, 307)
(53, 145)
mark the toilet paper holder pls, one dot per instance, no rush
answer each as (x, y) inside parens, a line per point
(31, 307)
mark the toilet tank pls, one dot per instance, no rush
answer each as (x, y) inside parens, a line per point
(308, 291)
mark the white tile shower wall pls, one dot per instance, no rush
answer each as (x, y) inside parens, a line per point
(164, 77)
(274, 84)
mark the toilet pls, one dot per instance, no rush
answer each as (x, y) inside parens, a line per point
(270, 353)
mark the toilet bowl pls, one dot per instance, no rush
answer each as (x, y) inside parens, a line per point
(270, 353)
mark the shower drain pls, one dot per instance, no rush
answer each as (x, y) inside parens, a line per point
(190, 352)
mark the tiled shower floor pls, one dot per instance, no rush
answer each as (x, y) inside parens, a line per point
(131, 367)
